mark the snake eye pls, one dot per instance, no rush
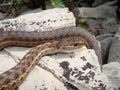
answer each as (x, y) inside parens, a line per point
(76, 44)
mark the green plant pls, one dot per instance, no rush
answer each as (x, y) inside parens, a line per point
(58, 3)
(82, 23)
(119, 88)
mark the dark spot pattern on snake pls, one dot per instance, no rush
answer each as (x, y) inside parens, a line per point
(16, 75)
(23, 70)
(7, 80)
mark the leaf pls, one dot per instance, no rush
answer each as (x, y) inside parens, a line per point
(58, 3)
(119, 88)
(80, 25)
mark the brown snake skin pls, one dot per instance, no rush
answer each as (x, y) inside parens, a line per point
(50, 41)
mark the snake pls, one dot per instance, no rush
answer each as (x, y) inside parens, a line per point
(43, 42)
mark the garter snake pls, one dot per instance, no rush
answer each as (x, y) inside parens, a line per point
(48, 42)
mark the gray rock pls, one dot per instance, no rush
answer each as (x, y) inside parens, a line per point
(109, 25)
(114, 52)
(94, 26)
(103, 16)
(112, 70)
(98, 2)
(102, 11)
(105, 41)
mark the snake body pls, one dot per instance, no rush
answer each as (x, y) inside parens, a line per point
(48, 42)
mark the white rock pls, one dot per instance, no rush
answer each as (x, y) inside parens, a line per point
(50, 19)
(40, 77)
(112, 71)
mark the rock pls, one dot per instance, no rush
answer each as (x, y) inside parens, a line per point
(105, 41)
(74, 67)
(114, 52)
(41, 79)
(112, 70)
(101, 12)
(97, 27)
(102, 18)
(94, 27)
(82, 71)
(44, 20)
(109, 25)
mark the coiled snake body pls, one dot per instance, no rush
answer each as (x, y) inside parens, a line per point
(50, 41)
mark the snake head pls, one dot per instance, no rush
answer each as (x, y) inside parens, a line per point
(69, 43)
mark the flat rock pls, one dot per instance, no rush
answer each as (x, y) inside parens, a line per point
(41, 21)
(50, 70)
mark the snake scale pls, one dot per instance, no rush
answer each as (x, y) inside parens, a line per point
(48, 42)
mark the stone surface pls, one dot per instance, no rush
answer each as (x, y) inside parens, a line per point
(112, 71)
(44, 20)
(114, 52)
(40, 79)
(79, 63)
(105, 41)
(103, 11)
(94, 26)
(100, 19)
(110, 25)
